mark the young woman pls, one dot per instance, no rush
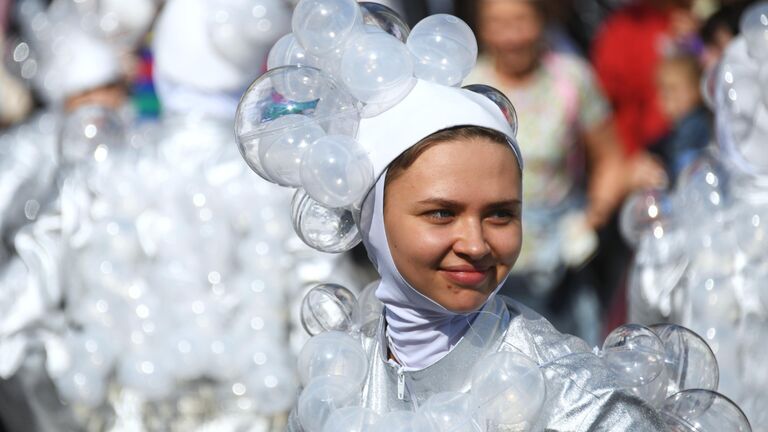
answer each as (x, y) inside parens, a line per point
(442, 226)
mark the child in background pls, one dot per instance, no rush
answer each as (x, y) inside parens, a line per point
(677, 83)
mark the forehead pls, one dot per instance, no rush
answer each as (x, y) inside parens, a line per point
(470, 170)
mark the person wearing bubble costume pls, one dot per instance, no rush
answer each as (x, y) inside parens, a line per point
(377, 131)
(150, 266)
(700, 258)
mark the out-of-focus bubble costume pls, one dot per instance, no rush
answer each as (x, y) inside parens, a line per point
(701, 249)
(346, 93)
(170, 258)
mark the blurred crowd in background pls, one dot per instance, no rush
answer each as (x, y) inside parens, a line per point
(608, 95)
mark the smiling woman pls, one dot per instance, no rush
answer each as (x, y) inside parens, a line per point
(459, 191)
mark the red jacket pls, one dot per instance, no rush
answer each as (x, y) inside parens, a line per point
(626, 53)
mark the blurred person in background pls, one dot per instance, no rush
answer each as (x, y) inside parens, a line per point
(576, 174)
(626, 53)
(678, 84)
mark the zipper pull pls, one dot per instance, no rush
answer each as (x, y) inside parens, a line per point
(400, 384)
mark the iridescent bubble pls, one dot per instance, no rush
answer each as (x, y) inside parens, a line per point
(646, 211)
(451, 412)
(509, 389)
(323, 25)
(321, 397)
(703, 410)
(351, 419)
(328, 307)
(291, 90)
(284, 142)
(333, 353)
(637, 355)
(378, 70)
(445, 49)
(690, 362)
(336, 171)
(754, 27)
(386, 19)
(331, 230)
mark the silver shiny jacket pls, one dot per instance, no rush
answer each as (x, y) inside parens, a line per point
(582, 393)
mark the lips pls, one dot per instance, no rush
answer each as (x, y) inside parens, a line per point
(466, 275)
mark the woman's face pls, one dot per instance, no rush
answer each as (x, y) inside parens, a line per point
(512, 32)
(453, 221)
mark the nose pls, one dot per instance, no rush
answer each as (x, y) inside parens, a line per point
(471, 243)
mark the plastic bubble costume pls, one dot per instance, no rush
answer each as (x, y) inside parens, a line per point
(347, 92)
(701, 251)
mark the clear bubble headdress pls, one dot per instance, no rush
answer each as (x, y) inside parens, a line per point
(347, 92)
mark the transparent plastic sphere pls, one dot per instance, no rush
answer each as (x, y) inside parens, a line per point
(336, 171)
(402, 421)
(284, 143)
(754, 27)
(378, 70)
(445, 49)
(645, 211)
(328, 307)
(509, 389)
(703, 411)
(451, 412)
(331, 230)
(636, 355)
(351, 419)
(90, 135)
(501, 101)
(287, 51)
(333, 354)
(291, 90)
(386, 19)
(322, 25)
(323, 396)
(690, 362)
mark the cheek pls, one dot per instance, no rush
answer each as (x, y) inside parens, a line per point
(506, 244)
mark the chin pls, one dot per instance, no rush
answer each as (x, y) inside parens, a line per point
(466, 302)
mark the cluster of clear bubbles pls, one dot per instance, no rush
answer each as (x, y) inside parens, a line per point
(343, 61)
(700, 248)
(674, 370)
(668, 366)
(737, 90)
(170, 289)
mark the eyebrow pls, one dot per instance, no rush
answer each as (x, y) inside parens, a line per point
(443, 202)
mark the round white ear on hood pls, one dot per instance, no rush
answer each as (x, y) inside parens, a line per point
(185, 55)
(80, 62)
